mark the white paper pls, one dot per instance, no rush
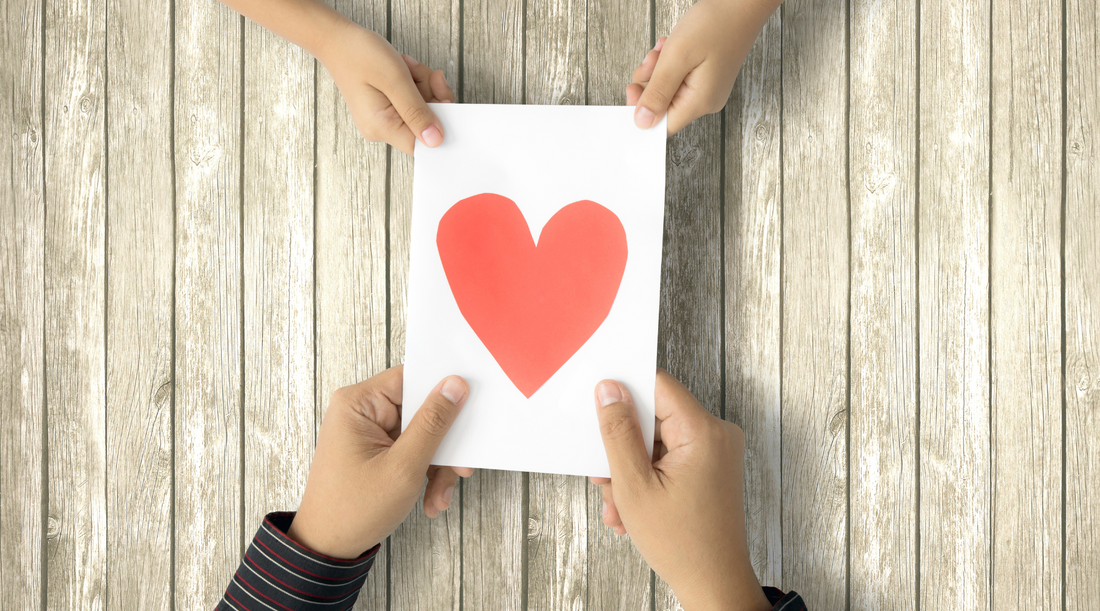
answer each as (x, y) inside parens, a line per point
(542, 158)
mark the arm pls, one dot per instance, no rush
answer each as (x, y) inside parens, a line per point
(691, 72)
(685, 511)
(366, 476)
(386, 93)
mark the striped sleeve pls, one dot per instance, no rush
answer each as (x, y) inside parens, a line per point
(278, 574)
(789, 601)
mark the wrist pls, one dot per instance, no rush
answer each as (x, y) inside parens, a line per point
(736, 591)
(306, 531)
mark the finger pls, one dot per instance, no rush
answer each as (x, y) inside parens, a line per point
(669, 72)
(440, 490)
(610, 514)
(377, 398)
(633, 94)
(684, 109)
(440, 89)
(644, 71)
(660, 44)
(414, 449)
(463, 471)
(622, 436)
(415, 113)
(678, 410)
(420, 75)
(378, 120)
(599, 481)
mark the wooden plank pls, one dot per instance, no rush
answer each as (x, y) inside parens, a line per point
(953, 256)
(426, 554)
(279, 394)
(22, 214)
(690, 333)
(883, 407)
(209, 310)
(1025, 306)
(494, 503)
(815, 289)
(619, 35)
(75, 304)
(139, 305)
(351, 255)
(557, 525)
(752, 244)
(1082, 306)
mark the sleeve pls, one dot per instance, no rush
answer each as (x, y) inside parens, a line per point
(277, 573)
(781, 601)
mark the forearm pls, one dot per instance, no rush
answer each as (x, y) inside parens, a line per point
(310, 24)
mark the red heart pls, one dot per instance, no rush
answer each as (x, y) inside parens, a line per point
(532, 306)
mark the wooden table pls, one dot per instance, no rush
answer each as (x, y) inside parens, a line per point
(880, 260)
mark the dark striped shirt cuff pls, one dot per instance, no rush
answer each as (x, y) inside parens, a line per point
(278, 574)
(790, 601)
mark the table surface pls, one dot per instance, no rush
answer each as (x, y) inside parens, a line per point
(880, 260)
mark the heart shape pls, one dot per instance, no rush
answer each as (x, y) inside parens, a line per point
(533, 306)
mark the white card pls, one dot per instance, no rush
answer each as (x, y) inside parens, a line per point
(533, 320)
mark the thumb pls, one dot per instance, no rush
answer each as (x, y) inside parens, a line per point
(669, 73)
(415, 447)
(622, 436)
(414, 111)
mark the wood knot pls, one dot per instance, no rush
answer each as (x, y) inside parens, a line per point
(1081, 376)
(683, 155)
(761, 133)
(163, 395)
(534, 528)
(53, 528)
(85, 104)
(34, 136)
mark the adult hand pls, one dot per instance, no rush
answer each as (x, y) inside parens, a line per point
(366, 474)
(685, 511)
(691, 72)
(387, 94)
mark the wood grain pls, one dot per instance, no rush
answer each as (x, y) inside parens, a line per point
(815, 288)
(882, 341)
(140, 261)
(494, 503)
(351, 255)
(209, 307)
(426, 554)
(22, 258)
(279, 392)
(619, 35)
(1082, 306)
(557, 526)
(751, 233)
(75, 304)
(953, 255)
(1025, 307)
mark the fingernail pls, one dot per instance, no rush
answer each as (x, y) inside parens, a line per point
(604, 514)
(411, 60)
(453, 389)
(432, 137)
(447, 494)
(643, 117)
(660, 44)
(609, 393)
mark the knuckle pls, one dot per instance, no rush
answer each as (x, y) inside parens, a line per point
(418, 116)
(618, 424)
(435, 419)
(655, 98)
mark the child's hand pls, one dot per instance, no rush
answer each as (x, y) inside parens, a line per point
(366, 474)
(685, 512)
(691, 72)
(386, 93)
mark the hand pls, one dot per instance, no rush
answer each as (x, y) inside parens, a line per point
(691, 72)
(386, 93)
(685, 511)
(366, 474)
